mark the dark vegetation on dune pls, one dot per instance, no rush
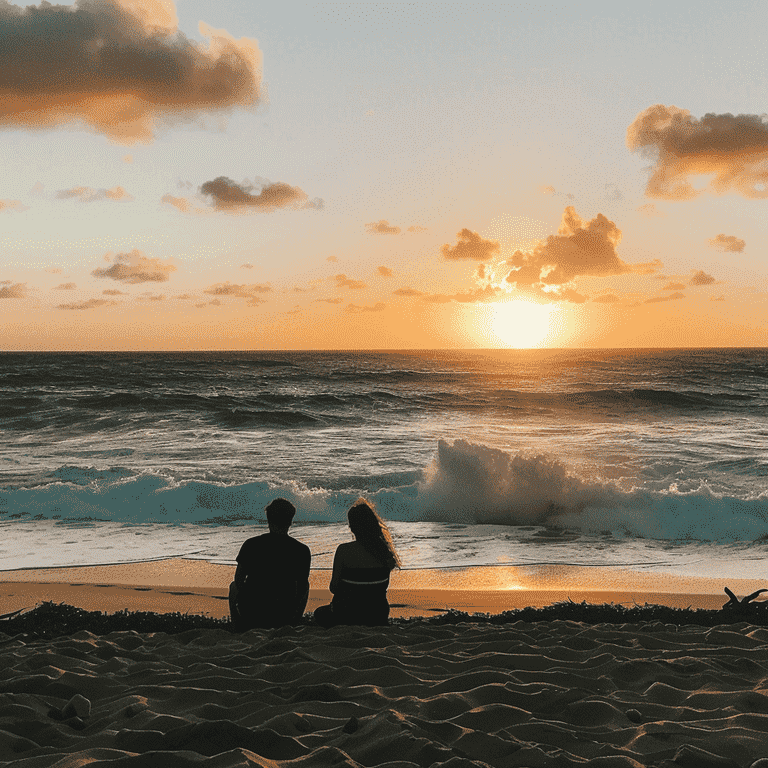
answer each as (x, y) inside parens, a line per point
(50, 620)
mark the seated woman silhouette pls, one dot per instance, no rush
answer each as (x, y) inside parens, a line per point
(361, 571)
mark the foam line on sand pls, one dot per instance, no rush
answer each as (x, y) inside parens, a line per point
(554, 693)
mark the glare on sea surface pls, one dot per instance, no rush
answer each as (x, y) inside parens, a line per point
(521, 324)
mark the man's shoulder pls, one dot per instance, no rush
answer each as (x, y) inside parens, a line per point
(298, 545)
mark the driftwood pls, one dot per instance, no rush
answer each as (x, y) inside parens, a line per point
(745, 605)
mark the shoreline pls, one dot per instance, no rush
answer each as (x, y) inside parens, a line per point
(200, 587)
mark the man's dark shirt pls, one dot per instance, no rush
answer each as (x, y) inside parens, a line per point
(276, 587)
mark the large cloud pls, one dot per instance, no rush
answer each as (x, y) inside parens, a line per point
(13, 290)
(732, 148)
(728, 243)
(470, 245)
(700, 277)
(578, 249)
(228, 195)
(117, 66)
(135, 267)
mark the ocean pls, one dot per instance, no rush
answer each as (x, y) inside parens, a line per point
(644, 459)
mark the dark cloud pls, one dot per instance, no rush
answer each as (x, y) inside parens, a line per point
(13, 290)
(227, 195)
(407, 292)
(578, 249)
(88, 195)
(732, 148)
(728, 243)
(377, 307)
(65, 287)
(381, 228)
(89, 304)
(608, 298)
(250, 292)
(470, 246)
(342, 281)
(701, 278)
(659, 299)
(384, 271)
(135, 267)
(117, 67)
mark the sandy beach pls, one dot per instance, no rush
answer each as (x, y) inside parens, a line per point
(553, 693)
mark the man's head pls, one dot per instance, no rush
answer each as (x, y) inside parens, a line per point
(280, 514)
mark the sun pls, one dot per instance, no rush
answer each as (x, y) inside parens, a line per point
(521, 324)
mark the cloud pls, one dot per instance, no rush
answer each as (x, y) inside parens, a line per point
(12, 205)
(54, 270)
(382, 227)
(227, 195)
(89, 304)
(673, 287)
(658, 299)
(153, 297)
(438, 298)
(246, 266)
(407, 292)
(701, 278)
(717, 298)
(416, 228)
(113, 292)
(13, 290)
(88, 195)
(250, 292)
(335, 300)
(117, 67)
(732, 148)
(608, 298)
(578, 249)
(377, 307)
(470, 246)
(342, 281)
(384, 271)
(728, 243)
(332, 259)
(180, 203)
(65, 287)
(135, 267)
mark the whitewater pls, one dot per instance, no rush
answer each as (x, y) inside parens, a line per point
(652, 459)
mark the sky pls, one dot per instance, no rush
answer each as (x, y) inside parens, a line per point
(310, 175)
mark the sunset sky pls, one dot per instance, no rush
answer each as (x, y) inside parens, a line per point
(301, 175)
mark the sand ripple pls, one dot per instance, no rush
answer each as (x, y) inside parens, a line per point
(546, 694)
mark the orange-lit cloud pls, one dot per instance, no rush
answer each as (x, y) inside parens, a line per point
(227, 195)
(728, 243)
(377, 307)
(250, 292)
(659, 299)
(381, 228)
(407, 292)
(732, 148)
(89, 304)
(415, 228)
(113, 292)
(12, 205)
(135, 267)
(246, 266)
(342, 281)
(65, 287)
(88, 195)
(578, 249)
(470, 245)
(118, 67)
(673, 287)
(12, 290)
(701, 278)
(180, 203)
(384, 271)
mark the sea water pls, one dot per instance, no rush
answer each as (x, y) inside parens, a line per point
(651, 459)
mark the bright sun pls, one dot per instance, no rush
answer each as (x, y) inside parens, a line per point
(522, 324)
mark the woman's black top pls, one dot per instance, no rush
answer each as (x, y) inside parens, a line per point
(361, 596)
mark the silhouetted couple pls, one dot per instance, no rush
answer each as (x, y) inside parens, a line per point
(271, 585)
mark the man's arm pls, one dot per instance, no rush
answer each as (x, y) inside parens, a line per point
(240, 576)
(302, 585)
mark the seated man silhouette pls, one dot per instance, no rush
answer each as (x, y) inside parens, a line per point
(271, 583)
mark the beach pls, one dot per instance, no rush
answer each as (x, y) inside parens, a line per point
(416, 693)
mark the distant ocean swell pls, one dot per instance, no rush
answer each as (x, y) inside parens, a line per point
(465, 483)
